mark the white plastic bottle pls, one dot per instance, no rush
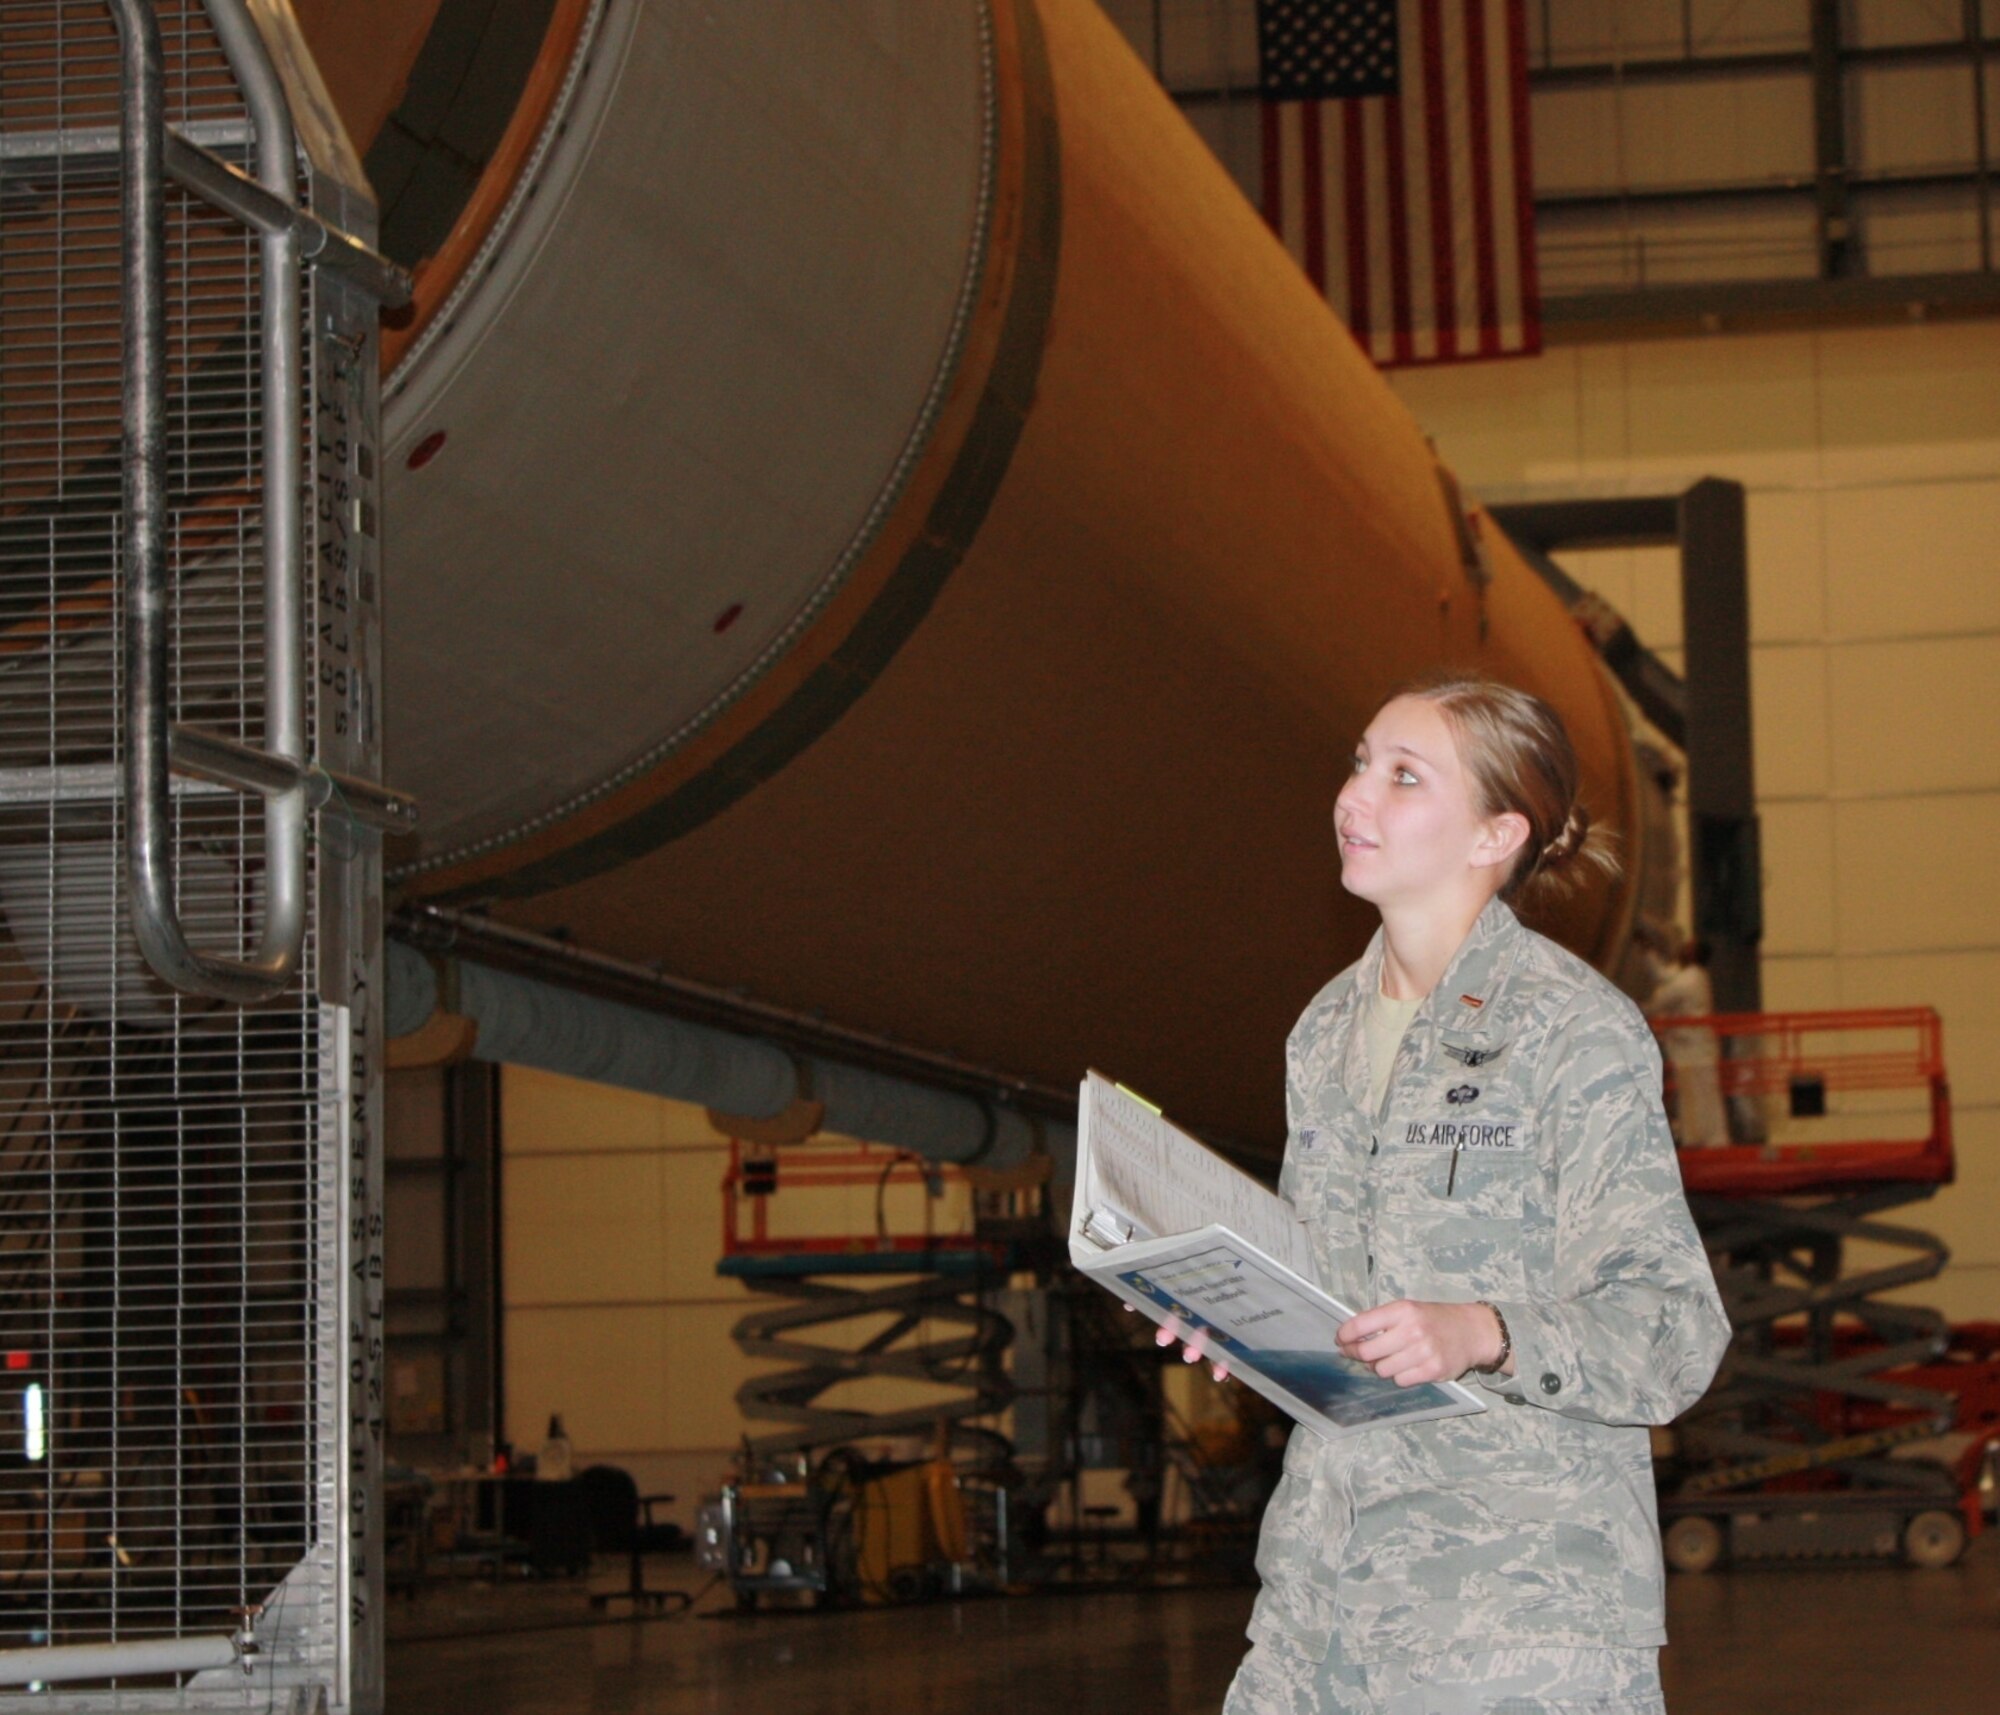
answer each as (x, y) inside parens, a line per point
(553, 1463)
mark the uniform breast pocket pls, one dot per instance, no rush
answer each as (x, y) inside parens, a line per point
(1461, 1228)
(1308, 1183)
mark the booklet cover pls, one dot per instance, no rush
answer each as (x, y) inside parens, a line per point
(1183, 1236)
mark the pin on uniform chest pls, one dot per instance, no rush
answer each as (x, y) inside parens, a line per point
(1386, 1024)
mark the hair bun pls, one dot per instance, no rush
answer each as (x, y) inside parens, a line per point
(1566, 844)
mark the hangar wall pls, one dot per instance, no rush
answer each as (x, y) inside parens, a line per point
(1872, 459)
(611, 1209)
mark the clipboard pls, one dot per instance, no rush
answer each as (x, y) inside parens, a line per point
(1172, 1229)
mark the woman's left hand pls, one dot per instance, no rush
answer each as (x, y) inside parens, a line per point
(1409, 1343)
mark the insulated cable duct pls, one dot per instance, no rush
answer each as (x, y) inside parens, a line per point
(522, 1021)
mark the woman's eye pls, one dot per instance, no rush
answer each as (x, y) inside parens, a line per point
(1405, 778)
(1360, 763)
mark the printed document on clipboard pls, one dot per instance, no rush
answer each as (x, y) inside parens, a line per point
(1177, 1232)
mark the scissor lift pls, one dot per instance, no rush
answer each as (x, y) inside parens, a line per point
(812, 1511)
(1843, 1421)
(904, 1306)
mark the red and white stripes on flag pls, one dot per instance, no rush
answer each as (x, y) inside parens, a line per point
(1413, 212)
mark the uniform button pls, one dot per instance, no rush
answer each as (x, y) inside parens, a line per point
(1375, 1146)
(1551, 1382)
(1371, 1262)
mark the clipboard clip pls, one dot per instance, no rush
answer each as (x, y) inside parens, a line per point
(1103, 1229)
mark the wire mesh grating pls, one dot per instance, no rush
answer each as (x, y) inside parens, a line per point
(166, 1166)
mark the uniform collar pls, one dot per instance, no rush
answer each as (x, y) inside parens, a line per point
(1467, 996)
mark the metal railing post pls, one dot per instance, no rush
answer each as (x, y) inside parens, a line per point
(150, 864)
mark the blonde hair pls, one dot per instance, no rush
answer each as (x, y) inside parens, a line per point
(1520, 759)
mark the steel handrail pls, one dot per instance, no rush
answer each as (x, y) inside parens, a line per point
(150, 862)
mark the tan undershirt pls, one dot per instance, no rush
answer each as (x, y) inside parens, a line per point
(1385, 1023)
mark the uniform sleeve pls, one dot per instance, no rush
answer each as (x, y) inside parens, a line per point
(1632, 1328)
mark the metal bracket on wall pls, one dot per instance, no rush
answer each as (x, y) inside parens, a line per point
(1705, 711)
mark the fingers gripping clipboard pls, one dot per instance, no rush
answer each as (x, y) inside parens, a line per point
(1182, 1236)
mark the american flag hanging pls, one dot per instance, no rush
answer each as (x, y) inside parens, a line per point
(1396, 169)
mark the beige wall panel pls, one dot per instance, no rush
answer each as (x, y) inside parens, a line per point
(1674, 244)
(1643, 584)
(1673, 133)
(1916, 717)
(1916, 874)
(1802, 982)
(1962, 987)
(1741, 408)
(704, 1369)
(1965, 1292)
(1889, 23)
(1910, 116)
(1788, 550)
(1500, 424)
(1596, 30)
(546, 1111)
(1914, 559)
(1609, 572)
(1655, 612)
(1910, 402)
(1788, 711)
(1798, 878)
(684, 1125)
(1901, 234)
(584, 1230)
(604, 1370)
(690, 1236)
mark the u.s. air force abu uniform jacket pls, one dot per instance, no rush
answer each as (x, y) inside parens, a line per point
(1532, 1523)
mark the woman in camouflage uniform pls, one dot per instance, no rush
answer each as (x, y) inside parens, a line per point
(1478, 1145)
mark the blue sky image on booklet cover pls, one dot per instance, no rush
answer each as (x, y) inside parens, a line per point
(1348, 1392)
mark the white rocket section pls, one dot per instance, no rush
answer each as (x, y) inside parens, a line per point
(680, 392)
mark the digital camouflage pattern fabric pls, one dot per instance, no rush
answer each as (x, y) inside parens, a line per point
(1521, 1156)
(1276, 1679)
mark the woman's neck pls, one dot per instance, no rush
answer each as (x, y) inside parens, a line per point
(1419, 943)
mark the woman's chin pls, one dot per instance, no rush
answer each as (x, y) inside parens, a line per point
(1356, 882)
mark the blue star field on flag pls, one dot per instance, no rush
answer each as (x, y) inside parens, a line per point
(1326, 50)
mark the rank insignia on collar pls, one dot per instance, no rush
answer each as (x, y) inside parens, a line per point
(1463, 1093)
(1472, 1000)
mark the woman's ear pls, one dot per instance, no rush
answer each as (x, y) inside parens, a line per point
(1501, 841)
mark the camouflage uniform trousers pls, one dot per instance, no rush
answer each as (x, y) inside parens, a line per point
(1278, 1678)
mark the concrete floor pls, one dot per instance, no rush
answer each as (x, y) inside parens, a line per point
(1835, 1640)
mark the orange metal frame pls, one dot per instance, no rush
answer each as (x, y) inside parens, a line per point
(1780, 1048)
(831, 1168)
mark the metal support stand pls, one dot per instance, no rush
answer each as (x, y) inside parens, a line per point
(1708, 712)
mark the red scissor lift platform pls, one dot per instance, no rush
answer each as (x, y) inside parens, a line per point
(1844, 1421)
